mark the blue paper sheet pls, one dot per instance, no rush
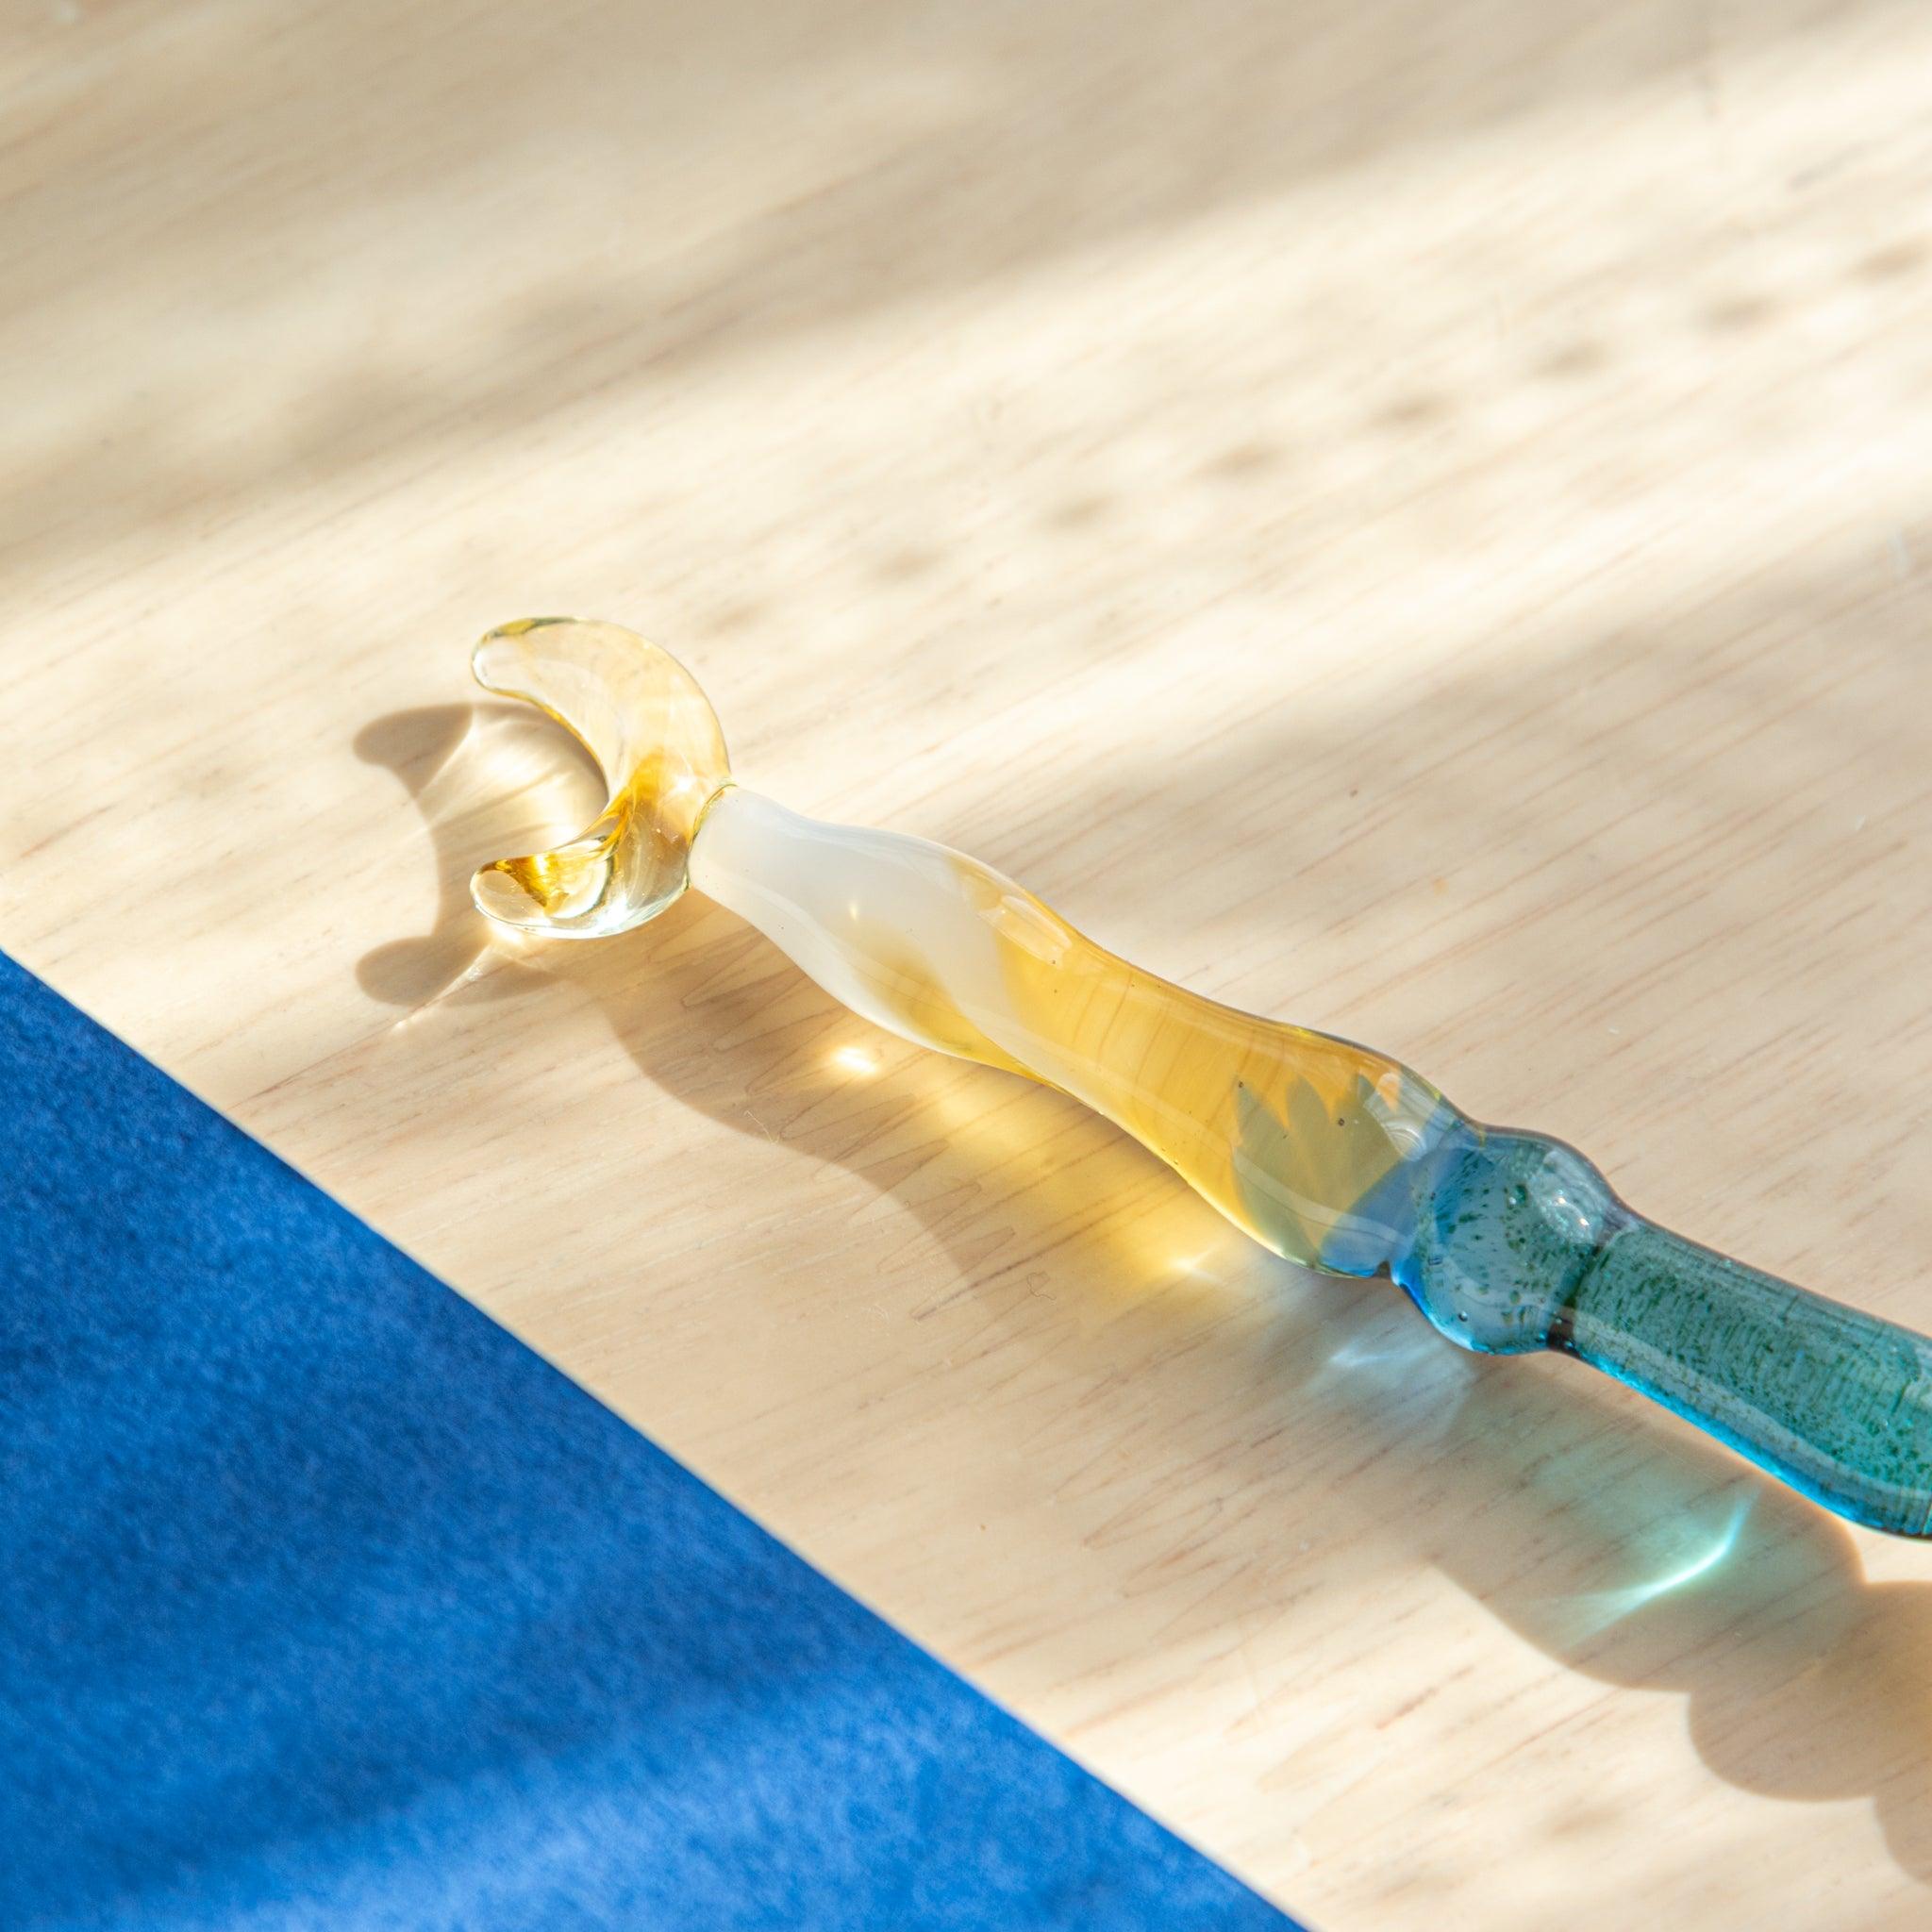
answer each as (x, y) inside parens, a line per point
(324, 1603)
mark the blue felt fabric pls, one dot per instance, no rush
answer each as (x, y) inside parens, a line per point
(325, 1603)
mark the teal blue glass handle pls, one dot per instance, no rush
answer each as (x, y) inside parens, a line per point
(1523, 1245)
(1836, 1401)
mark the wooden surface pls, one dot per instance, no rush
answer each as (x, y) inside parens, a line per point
(1413, 518)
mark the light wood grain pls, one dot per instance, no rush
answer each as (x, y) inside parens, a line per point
(1411, 518)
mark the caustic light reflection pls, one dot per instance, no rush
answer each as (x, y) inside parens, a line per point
(1703, 1553)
